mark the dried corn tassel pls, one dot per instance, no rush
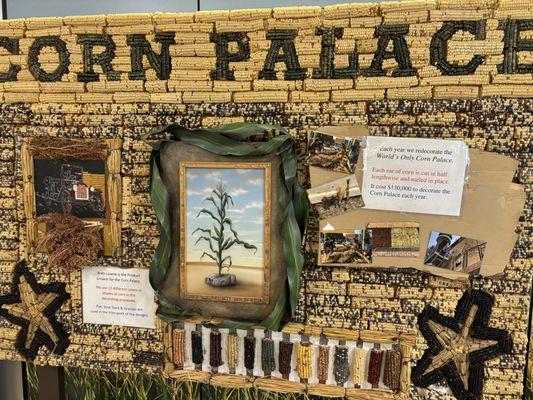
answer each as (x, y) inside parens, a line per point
(249, 352)
(374, 367)
(197, 349)
(268, 362)
(323, 363)
(341, 368)
(178, 347)
(303, 360)
(358, 367)
(215, 349)
(285, 356)
(233, 350)
(392, 369)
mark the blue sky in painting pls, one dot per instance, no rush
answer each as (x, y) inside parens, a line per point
(247, 187)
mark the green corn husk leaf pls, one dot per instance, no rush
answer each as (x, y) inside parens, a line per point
(213, 140)
(228, 140)
(236, 131)
(170, 312)
(240, 131)
(161, 205)
(293, 255)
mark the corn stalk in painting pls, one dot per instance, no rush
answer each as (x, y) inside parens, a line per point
(218, 238)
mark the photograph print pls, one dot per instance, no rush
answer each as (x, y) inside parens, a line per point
(74, 187)
(331, 152)
(455, 253)
(345, 247)
(395, 239)
(225, 231)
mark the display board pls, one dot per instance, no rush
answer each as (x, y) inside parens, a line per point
(92, 85)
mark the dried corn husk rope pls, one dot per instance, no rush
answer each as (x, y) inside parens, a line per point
(374, 367)
(71, 243)
(56, 148)
(178, 347)
(340, 367)
(215, 349)
(303, 360)
(392, 369)
(323, 363)
(268, 361)
(233, 350)
(284, 358)
(249, 352)
(197, 350)
(358, 366)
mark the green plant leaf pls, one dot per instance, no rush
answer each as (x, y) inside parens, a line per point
(292, 245)
(301, 206)
(273, 321)
(208, 231)
(170, 312)
(161, 204)
(212, 200)
(230, 261)
(236, 239)
(208, 212)
(212, 257)
(242, 130)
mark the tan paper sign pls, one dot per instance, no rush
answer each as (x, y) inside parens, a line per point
(491, 207)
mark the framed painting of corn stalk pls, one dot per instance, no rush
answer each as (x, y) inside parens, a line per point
(225, 231)
(232, 216)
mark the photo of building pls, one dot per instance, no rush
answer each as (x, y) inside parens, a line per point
(455, 253)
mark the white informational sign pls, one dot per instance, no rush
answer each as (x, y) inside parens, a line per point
(414, 175)
(117, 296)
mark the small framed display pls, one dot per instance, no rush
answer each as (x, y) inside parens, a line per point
(73, 177)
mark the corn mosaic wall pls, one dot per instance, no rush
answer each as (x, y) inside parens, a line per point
(438, 69)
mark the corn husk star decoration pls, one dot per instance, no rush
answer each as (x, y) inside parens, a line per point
(459, 346)
(32, 306)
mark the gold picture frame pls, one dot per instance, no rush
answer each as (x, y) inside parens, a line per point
(108, 150)
(264, 298)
